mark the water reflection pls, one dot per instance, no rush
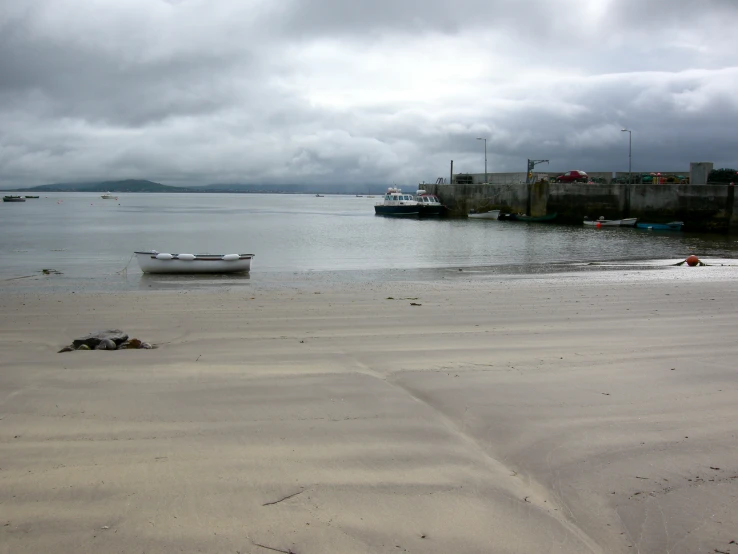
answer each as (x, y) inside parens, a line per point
(177, 281)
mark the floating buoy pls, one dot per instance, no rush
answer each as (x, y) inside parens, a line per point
(598, 225)
(692, 260)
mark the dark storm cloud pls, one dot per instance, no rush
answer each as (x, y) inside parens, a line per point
(196, 91)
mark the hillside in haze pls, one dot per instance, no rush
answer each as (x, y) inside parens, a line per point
(128, 185)
(138, 185)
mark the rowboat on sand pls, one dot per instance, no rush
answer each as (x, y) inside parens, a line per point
(162, 262)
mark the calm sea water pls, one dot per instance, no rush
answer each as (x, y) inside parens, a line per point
(300, 237)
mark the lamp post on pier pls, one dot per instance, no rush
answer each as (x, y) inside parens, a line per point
(630, 150)
(485, 157)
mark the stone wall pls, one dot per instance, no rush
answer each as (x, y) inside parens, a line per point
(700, 207)
(518, 178)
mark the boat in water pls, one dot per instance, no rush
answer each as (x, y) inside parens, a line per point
(533, 218)
(14, 198)
(492, 214)
(602, 222)
(429, 204)
(162, 262)
(396, 203)
(672, 226)
(109, 196)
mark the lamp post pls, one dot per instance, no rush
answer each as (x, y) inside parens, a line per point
(485, 157)
(630, 150)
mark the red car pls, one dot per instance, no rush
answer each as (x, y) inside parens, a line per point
(575, 176)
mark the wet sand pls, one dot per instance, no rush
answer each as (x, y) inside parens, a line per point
(504, 416)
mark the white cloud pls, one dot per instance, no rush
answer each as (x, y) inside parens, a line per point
(196, 91)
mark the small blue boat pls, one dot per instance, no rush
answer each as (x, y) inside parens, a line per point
(672, 226)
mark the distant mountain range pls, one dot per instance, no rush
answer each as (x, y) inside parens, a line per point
(142, 185)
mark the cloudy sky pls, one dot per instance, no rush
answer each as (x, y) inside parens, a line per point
(340, 91)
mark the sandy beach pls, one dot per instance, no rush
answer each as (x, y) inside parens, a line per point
(530, 415)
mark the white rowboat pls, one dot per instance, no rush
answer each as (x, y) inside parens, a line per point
(627, 222)
(161, 262)
(492, 214)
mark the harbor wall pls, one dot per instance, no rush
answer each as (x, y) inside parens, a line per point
(606, 176)
(701, 207)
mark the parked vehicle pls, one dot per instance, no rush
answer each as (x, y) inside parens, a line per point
(576, 176)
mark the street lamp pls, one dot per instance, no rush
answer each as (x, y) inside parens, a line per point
(485, 157)
(630, 149)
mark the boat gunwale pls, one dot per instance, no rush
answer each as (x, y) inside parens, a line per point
(198, 257)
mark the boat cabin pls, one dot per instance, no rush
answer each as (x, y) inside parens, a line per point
(423, 197)
(396, 195)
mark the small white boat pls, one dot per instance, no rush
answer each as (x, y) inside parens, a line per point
(162, 262)
(109, 196)
(602, 222)
(492, 214)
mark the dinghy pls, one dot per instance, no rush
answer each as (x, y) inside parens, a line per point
(162, 262)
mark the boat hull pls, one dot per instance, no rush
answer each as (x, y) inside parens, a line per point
(432, 210)
(13, 199)
(533, 218)
(673, 226)
(202, 263)
(406, 209)
(492, 214)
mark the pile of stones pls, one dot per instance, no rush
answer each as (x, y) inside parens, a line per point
(113, 339)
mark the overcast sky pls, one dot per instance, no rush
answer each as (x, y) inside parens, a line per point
(340, 91)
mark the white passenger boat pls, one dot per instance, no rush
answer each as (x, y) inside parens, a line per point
(162, 262)
(397, 203)
(109, 196)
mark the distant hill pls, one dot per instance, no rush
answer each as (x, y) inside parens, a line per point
(142, 185)
(293, 188)
(127, 185)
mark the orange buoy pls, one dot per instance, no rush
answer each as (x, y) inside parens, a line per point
(692, 260)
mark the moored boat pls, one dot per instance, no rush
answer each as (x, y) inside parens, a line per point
(492, 214)
(27, 196)
(161, 262)
(533, 218)
(602, 222)
(672, 226)
(429, 204)
(109, 196)
(397, 203)
(14, 198)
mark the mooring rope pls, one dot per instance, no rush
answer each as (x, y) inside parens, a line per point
(124, 271)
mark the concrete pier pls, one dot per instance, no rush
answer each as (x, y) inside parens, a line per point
(701, 207)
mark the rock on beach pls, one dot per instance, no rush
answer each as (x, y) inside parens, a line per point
(116, 336)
